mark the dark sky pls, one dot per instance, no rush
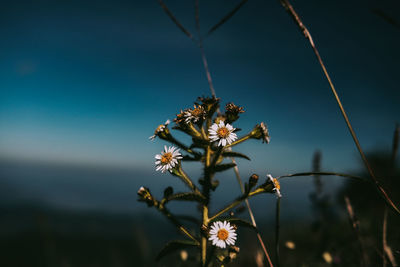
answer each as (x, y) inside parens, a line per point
(88, 81)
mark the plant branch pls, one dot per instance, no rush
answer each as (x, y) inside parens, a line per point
(239, 200)
(355, 224)
(185, 178)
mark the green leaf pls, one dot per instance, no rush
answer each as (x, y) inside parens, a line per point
(235, 155)
(173, 246)
(224, 167)
(168, 191)
(189, 196)
(188, 158)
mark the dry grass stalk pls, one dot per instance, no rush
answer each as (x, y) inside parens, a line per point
(355, 224)
(253, 220)
(386, 249)
(289, 8)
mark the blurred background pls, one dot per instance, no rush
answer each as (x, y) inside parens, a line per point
(83, 84)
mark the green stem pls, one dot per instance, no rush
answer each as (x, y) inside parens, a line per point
(244, 138)
(206, 192)
(180, 145)
(204, 238)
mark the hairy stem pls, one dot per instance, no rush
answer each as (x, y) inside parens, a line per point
(185, 178)
(244, 138)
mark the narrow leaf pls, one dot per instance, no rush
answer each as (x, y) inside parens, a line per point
(242, 223)
(173, 246)
(189, 196)
(224, 167)
(235, 154)
(188, 158)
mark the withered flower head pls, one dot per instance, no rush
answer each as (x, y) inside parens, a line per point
(180, 117)
(260, 131)
(209, 104)
(208, 100)
(194, 115)
(232, 112)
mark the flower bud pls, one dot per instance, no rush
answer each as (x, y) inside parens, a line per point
(253, 180)
(168, 191)
(145, 196)
(233, 251)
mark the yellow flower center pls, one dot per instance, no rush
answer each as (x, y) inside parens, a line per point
(276, 184)
(222, 234)
(223, 132)
(166, 158)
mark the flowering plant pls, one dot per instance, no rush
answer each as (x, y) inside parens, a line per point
(213, 138)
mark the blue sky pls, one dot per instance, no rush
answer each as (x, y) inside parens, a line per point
(88, 82)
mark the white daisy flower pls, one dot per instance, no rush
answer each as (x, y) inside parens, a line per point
(222, 234)
(167, 159)
(276, 185)
(223, 133)
(159, 129)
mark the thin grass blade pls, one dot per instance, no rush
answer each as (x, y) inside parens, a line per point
(226, 17)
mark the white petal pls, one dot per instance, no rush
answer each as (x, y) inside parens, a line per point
(223, 142)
